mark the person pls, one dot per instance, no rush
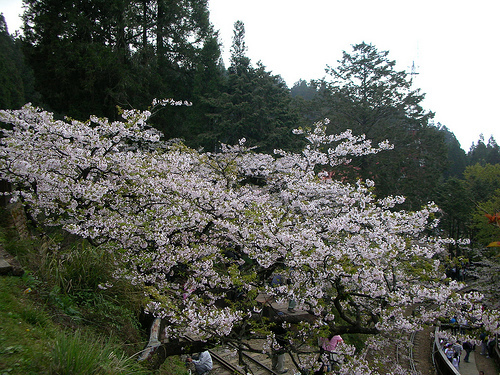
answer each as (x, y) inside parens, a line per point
(453, 323)
(462, 324)
(457, 348)
(329, 346)
(484, 340)
(279, 280)
(278, 351)
(490, 347)
(278, 362)
(468, 348)
(203, 364)
(449, 352)
(278, 357)
(455, 361)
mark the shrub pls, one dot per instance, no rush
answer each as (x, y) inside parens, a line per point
(74, 354)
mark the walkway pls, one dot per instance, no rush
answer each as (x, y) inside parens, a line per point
(468, 368)
(472, 367)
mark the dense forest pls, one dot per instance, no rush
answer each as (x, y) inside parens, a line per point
(104, 59)
(81, 58)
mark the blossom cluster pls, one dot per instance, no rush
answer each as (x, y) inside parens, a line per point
(205, 240)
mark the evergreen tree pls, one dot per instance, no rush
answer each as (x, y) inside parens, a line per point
(208, 84)
(366, 94)
(456, 157)
(304, 90)
(493, 152)
(11, 85)
(304, 96)
(16, 79)
(478, 152)
(77, 53)
(482, 153)
(239, 48)
(455, 200)
(482, 181)
(255, 105)
(89, 56)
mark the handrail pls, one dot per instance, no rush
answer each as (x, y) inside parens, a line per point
(450, 369)
(412, 361)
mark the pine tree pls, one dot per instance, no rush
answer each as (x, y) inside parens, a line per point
(456, 159)
(208, 84)
(367, 95)
(255, 105)
(481, 153)
(77, 52)
(90, 56)
(16, 79)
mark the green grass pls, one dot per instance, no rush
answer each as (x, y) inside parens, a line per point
(26, 330)
(56, 320)
(77, 354)
(31, 343)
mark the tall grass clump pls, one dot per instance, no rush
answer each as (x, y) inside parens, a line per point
(74, 354)
(68, 272)
(75, 268)
(60, 291)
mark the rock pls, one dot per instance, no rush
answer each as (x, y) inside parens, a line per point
(8, 264)
(5, 267)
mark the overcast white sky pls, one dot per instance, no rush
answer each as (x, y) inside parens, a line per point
(454, 44)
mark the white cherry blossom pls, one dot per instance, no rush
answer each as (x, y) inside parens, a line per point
(205, 232)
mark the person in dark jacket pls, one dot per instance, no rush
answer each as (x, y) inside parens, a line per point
(468, 348)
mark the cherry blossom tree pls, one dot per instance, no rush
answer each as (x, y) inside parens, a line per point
(204, 233)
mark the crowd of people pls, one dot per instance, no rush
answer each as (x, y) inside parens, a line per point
(453, 349)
